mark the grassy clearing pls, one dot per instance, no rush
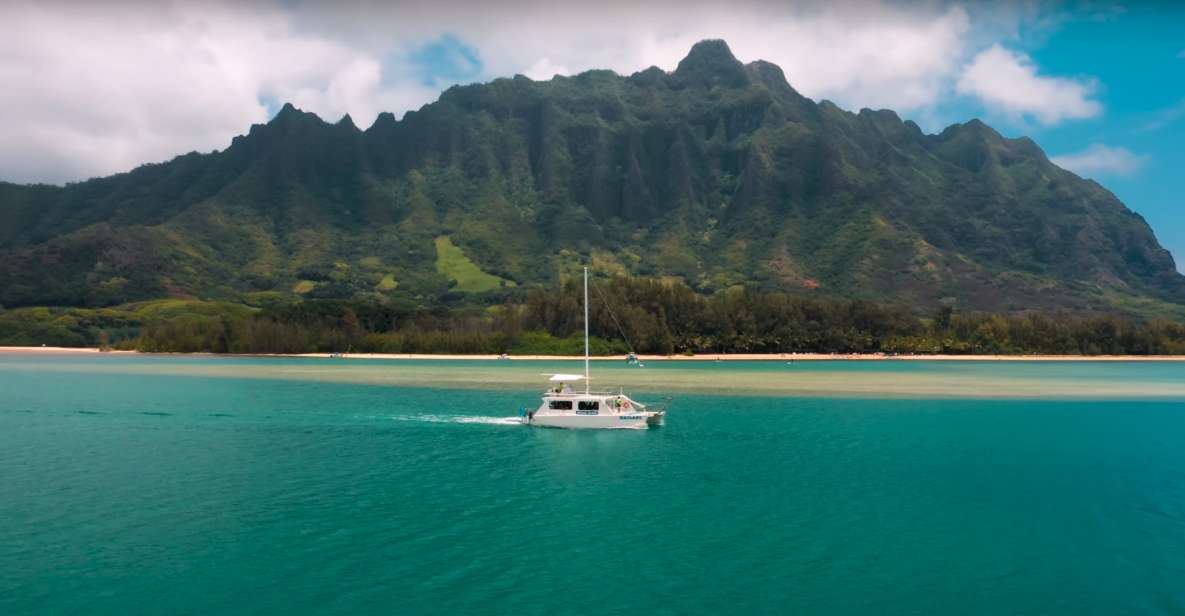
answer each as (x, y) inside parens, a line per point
(173, 308)
(452, 262)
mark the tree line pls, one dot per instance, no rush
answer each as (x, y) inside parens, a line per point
(640, 315)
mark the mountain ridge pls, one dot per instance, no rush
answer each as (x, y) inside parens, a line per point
(719, 173)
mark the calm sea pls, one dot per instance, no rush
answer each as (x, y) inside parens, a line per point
(193, 485)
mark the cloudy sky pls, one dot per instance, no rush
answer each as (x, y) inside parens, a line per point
(93, 88)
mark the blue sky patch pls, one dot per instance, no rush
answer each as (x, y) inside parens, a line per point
(447, 60)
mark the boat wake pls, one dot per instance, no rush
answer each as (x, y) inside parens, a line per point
(460, 419)
(497, 421)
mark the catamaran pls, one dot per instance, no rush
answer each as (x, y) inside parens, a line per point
(565, 407)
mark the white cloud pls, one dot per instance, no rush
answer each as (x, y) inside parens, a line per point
(545, 69)
(1008, 82)
(868, 53)
(98, 89)
(102, 88)
(1099, 159)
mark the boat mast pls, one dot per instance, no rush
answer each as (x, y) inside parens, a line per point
(586, 331)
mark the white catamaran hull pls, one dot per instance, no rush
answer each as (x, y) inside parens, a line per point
(639, 421)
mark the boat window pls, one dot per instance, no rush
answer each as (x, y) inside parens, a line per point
(560, 405)
(588, 405)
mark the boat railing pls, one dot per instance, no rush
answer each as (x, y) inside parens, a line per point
(577, 394)
(660, 407)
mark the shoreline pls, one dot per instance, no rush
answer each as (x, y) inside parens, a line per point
(712, 357)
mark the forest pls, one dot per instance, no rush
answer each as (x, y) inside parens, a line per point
(626, 314)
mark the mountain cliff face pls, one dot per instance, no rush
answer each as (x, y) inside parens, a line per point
(718, 173)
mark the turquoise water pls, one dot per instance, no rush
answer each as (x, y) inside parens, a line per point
(221, 485)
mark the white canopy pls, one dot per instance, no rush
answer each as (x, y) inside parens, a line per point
(566, 377)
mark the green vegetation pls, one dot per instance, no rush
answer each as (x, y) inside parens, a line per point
(655, 316)
(452, 262)
(186, 323)
(544, 343)
(387, 283)
(719, 175)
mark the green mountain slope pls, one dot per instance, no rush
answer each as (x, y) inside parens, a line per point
(718, 173)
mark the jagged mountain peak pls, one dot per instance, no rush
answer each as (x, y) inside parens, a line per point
(709, 63)
(710, 51)
(772, 76)
(384, 123)
(289, 112)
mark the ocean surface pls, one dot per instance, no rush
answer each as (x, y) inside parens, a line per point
(204, 485)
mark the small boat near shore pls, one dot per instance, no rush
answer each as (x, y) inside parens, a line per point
(565, 407)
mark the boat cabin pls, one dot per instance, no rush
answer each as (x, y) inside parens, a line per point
(562, 398)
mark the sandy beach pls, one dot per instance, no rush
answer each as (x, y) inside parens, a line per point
(645, 358)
